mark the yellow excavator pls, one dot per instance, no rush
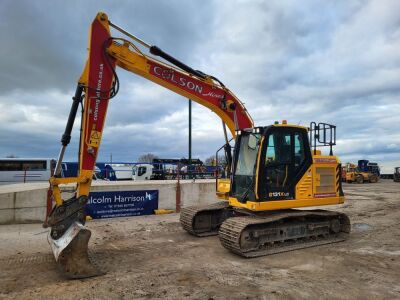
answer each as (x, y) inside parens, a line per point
(354, 174)
(272, 169)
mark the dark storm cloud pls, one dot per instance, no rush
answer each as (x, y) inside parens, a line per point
(142, 102)
(44, 42)
(44, 55)
(335, 62)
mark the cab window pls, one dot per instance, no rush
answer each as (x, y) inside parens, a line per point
(284, 157)
(278, 158)
(278, 149)
(299, 155)
(141, 171)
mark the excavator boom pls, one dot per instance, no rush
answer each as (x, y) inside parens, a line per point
(96, 86)
(273, 170)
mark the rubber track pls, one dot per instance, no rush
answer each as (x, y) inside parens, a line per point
(231, 230)
(188, 214)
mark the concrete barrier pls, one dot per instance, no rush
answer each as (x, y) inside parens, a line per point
(26, 202)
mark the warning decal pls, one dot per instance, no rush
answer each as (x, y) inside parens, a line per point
(95, 138)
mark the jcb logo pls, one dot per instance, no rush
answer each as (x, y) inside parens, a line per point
(278, 194)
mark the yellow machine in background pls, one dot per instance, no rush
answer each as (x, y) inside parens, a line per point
(353, 174)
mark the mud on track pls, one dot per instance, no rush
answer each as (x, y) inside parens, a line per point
(152, 257)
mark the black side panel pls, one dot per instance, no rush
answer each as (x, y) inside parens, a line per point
(339, 179)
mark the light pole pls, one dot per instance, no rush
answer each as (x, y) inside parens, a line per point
(190, 139)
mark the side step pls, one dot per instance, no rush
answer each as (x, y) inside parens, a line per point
(254, 236)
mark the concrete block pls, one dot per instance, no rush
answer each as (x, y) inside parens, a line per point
(6, 216)
(32, 198)
(27, 204)
(198, 193)
(113, 188)
(30, 215)
(6, 200)
(167, 196)
(186, 196)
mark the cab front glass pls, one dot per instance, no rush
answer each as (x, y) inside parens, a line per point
(245, 165)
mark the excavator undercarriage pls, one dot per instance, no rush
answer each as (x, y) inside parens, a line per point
(250, 234)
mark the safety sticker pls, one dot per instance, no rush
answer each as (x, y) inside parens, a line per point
(95, 138)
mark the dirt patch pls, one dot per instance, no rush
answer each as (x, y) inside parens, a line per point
(152, 257)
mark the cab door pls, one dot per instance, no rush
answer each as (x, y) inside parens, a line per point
(285, 157)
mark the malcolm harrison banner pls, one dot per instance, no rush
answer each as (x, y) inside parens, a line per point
(121, 204)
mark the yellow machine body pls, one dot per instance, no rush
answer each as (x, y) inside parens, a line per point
(319, 185)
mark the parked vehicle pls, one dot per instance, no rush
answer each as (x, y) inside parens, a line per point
(396, 174)
(355, 174)
(165, 169)
(101, 171)
(20, 170)
(142, 172)
(369, 167)
(123, 171)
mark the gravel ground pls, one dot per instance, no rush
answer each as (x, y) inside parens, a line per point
(152, 257)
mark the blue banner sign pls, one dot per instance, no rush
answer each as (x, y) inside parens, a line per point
(121, 203)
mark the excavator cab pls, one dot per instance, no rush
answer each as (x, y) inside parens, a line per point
(285, 157)
(269, 162)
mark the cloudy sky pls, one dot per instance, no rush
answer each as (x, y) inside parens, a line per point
(326, 61)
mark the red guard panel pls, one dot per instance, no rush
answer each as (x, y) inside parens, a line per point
(100, 78)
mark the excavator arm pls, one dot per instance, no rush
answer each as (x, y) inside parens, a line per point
(96, 86)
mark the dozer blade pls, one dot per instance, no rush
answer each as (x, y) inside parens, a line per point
(71, 253)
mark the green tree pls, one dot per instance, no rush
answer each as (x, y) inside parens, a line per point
(147, 158)
(210, 161)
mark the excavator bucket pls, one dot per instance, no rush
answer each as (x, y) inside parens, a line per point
(71, 253)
